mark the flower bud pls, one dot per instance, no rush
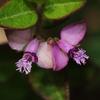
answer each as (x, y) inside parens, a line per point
(71, 36)
(18, 39)
(25, 63)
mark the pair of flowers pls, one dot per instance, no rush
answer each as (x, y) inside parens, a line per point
(51, 54)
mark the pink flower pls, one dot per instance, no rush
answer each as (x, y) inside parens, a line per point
(21, 40)
(79, 56)
(29, 57)
(71, 36)
(50, 56)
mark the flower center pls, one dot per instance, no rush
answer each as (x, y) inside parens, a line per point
(31, 57)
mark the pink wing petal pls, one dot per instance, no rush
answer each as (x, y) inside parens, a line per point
(59, 58)
(32, 46)
(17, 39)
(73, 33)
(64, 45)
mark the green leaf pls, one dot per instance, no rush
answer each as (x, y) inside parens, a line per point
(51, 85)
(17, 14)
(37, 1)
(55, 9)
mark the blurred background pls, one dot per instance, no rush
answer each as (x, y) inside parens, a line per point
(83, 81)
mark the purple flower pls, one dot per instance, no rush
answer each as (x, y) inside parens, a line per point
(59, 57)
(50, 56)
(24, 65)
(21, 40)
(70, 37)
(29, 57)
(79, 55)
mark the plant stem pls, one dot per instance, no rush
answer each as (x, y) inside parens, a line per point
(67, 91)
(38, 28)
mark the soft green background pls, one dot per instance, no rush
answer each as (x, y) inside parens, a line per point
(84, 81)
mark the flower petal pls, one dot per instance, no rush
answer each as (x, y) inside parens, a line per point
(17, 39)
(73, 33)
(59, 57)
(32, 46)
(44, 55)
(64, 45)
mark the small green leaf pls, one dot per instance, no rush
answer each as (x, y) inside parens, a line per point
(37, 1)
(55, 9)
(17, 14)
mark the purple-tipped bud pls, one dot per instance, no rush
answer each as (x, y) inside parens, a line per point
(79, 55)
(70, 38)
(25, 63)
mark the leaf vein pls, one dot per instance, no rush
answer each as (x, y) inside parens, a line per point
(13, 16)
(62, 4)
